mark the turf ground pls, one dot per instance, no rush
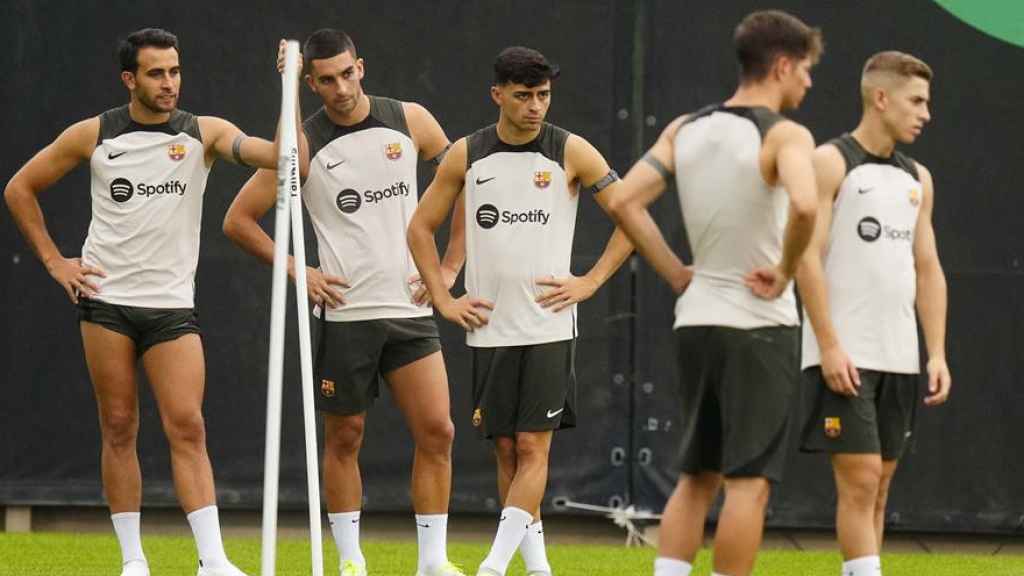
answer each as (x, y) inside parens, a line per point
(48, 554)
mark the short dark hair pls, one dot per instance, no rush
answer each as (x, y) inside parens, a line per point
(326, 43)
(521, 65)
(765, 35)
(128, 49)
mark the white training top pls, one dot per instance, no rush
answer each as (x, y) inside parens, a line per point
(734, 220)
(869, 262)
(147, 187)
(520, 221)
(361, 193)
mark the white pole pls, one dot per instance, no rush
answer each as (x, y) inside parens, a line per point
(306, 357)
(287, 176)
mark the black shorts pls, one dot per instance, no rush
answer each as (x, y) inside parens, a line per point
(524, 388)
(738, 388)
(352, 357)
(147, 327)
(879, 420)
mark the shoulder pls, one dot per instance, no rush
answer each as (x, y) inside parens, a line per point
(828, 156)
(786, 131)
(80, 138)
(390, 112)
(924, 175)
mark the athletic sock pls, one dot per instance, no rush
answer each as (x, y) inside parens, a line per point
(532, 549)
(432, 539)
(671, 567)
(863, 566)
(511, 530)
(129, 535)
(345, 528)
(205, 524)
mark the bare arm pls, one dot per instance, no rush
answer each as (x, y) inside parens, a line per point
(627, 204)
(434, 207)
(432, 142)
(49, 165)
(795, 147)
(839, 373)
(588, 168)
(931, 294)
(241, 225)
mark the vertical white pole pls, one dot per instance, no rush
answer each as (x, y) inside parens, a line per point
(308, 407)
(287, 177)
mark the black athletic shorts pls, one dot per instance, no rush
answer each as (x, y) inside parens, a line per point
(879, 420)
(147, 327)
(352, 357)
(738, 388)
(524, 388)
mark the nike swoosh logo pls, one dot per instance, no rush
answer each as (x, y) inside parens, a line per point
(481, 181)
(112, 156)
(555, 413)
(356, 521)
(423, 525)
(335, 165)
(502, 519)
(864, 190)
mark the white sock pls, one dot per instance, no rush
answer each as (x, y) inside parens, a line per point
(718, 574)
(511, 530)
(532, 549)
(205, 524)
(345, 528)
(671, 567)
(863, 566)
(129, 535)
(432, 537)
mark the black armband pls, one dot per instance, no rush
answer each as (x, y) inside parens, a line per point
(657, 165)
(436, 160)
(603, 183)
(236, 150)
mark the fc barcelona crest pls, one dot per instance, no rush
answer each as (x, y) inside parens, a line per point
(327, 388)
(478, 418)
(176, 152)
(833, 427)
(541, 179)
(393, 151)
(915, 196)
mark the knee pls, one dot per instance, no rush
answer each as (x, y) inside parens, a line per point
(343, 437)
(505, 451)
(187, 429)
(753, 492)
(437, 437)
(703, 486)
(862, 487)
(531, 450)
(120, 427)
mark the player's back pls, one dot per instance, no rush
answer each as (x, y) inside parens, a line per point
(734, 219)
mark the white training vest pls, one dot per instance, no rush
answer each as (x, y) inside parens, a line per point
(734, 220)
(147, 187)
(869, 262)
(520, 221)
(361, 193)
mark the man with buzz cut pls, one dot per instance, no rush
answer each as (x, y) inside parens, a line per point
(746, 188)
(134, 283)
(523, 179)
(360, 191)
(871, 260)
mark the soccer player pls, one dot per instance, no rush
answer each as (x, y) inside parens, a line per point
(134, 283)
(523, 179)
(360, 191)
(872, 259)
(746, 186)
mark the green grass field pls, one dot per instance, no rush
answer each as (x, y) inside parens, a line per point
(98, 555)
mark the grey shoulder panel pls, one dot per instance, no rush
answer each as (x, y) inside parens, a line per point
(552, 143)
(390, 113)
(113, 123)
(851, 152)
(705, 111)
(906, 163)
(319, 131)
(764, 119)
(181, 121)
(480, 144)
(855, 155)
